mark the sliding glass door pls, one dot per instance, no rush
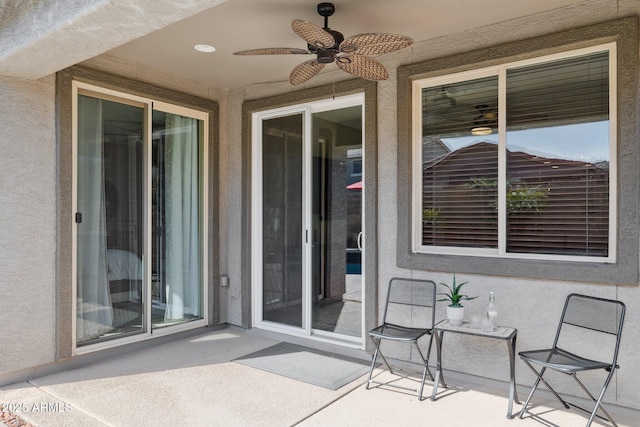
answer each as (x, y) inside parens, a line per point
(307, 219)
(139, 221)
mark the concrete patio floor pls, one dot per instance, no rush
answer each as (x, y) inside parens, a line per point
(193, 381)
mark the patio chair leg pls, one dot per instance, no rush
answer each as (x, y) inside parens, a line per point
(424, 377)
(425, 371)
(534, 388)
(425, 361)
(540, 378)
(598, 402)
(373, 364)
(526, 402)
(387, 364)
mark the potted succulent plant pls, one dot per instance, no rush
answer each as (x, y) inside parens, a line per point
(455, 310)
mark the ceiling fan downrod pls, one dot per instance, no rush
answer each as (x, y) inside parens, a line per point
(326, 9)
(327, 54)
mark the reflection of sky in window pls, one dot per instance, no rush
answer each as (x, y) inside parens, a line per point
(587, 142)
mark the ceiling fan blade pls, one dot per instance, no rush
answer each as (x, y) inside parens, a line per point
(273, 51)
(312, 34)
(305, 71)
(362, 66)
(374, 43)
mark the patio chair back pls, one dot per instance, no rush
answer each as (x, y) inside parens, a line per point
(410, 303)
(596, 316)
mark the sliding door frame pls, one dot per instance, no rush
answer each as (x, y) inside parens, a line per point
(306, 109)
(149, 105)
(325, 92)
(257, 212)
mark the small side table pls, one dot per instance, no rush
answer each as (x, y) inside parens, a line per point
(502, 333)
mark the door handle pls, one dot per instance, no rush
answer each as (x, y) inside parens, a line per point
(359, 240)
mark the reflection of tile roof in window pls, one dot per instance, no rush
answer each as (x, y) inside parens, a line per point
(515, 161)
(434, 149)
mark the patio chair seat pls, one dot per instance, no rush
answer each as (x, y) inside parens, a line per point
(563, 361)
(393, 332)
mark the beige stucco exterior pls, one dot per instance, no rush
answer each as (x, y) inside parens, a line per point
(29, 198)
(27, 231)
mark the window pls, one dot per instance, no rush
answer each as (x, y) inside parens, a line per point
(518, 160)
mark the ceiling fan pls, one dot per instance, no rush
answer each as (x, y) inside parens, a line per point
(329, 46)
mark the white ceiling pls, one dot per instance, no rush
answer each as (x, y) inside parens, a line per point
(246, 24)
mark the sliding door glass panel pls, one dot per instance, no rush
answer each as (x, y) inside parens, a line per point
(110, 242)
(177, 294)
(337, 221)
(282, 224)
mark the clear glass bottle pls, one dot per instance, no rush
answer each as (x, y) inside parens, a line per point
(492, 313)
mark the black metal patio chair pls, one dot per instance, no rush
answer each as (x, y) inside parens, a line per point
(586, 322)
(409, 315)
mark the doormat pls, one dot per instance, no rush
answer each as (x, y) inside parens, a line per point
(308, 365)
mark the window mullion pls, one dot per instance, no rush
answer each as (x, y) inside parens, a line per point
(502, 160)
(148, 221)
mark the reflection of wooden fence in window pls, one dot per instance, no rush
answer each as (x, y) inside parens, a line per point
(455, 213)
(573, 218)
(554, 206)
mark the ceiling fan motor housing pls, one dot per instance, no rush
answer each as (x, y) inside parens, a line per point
(326, 55)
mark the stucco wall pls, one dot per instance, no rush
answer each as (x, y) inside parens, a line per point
(27, 222)
(231, 209)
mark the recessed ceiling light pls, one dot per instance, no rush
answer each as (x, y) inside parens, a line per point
(204, 48)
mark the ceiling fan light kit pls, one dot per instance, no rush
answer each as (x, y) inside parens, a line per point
(481, 130)
(350, 55)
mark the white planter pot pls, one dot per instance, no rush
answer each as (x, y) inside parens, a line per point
(455, 315)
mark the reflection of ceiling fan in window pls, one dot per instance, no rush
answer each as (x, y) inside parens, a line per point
(350, 54)
(487, 117)
(443, 100)
(486, 121)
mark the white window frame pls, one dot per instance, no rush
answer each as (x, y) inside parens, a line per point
(500, 71)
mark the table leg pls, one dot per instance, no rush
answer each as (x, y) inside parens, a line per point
(513, 393)
(438, 335)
